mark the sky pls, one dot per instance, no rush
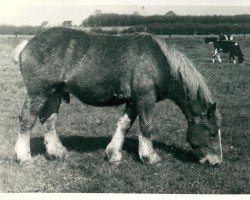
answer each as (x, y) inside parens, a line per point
(34, 12)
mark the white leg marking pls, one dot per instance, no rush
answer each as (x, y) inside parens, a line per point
(234, 61)
(146, 151)
(213, 60)
(22, 146)
(114, 148)
(53, 144)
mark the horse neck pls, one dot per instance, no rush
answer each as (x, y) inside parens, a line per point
(188, 106)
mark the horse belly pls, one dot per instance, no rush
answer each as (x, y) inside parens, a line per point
(98, 90)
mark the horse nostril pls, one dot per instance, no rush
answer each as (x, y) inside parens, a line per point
(216, 164)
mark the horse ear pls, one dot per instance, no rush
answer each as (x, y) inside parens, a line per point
(211, 110)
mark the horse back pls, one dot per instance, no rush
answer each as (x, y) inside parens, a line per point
(98, 69)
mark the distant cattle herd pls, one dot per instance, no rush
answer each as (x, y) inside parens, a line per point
(225, 44)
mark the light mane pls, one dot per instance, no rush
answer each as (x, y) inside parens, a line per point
(183, 69)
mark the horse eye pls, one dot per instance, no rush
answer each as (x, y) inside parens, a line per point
(213, 133)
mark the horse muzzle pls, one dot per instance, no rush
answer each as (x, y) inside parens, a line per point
(213, 160)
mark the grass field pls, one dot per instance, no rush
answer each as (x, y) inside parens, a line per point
(86, 131)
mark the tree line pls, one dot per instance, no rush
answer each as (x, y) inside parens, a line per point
(20, 30)
(157, 24)
(113, 19)
(164, 24)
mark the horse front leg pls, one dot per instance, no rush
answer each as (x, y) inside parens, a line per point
(146, 151)
(113, 150)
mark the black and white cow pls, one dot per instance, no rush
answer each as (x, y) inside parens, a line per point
(227, 46)
(210, 40)
(225, 37)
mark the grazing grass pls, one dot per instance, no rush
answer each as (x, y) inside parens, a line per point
(86, 131)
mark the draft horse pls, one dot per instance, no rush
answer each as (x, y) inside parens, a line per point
(138, 70)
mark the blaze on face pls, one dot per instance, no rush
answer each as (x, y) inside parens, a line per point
(204, 136)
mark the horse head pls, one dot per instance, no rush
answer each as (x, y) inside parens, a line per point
(204, 136)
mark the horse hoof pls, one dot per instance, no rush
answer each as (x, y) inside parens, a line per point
(114, 158)
(60, 154)
(153, 159)
(115, 163)
(25, 161)
(50, 156)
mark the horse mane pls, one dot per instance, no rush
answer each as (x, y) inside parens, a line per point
(183, 69)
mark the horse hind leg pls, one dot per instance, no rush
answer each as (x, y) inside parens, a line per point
(27, 118)
(113, 150)
(48, 118)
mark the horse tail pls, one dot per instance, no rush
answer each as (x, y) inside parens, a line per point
(18, 51)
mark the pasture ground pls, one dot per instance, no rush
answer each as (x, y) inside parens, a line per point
(86, 131)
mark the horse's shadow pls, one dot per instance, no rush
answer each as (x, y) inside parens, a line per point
(90, 144)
